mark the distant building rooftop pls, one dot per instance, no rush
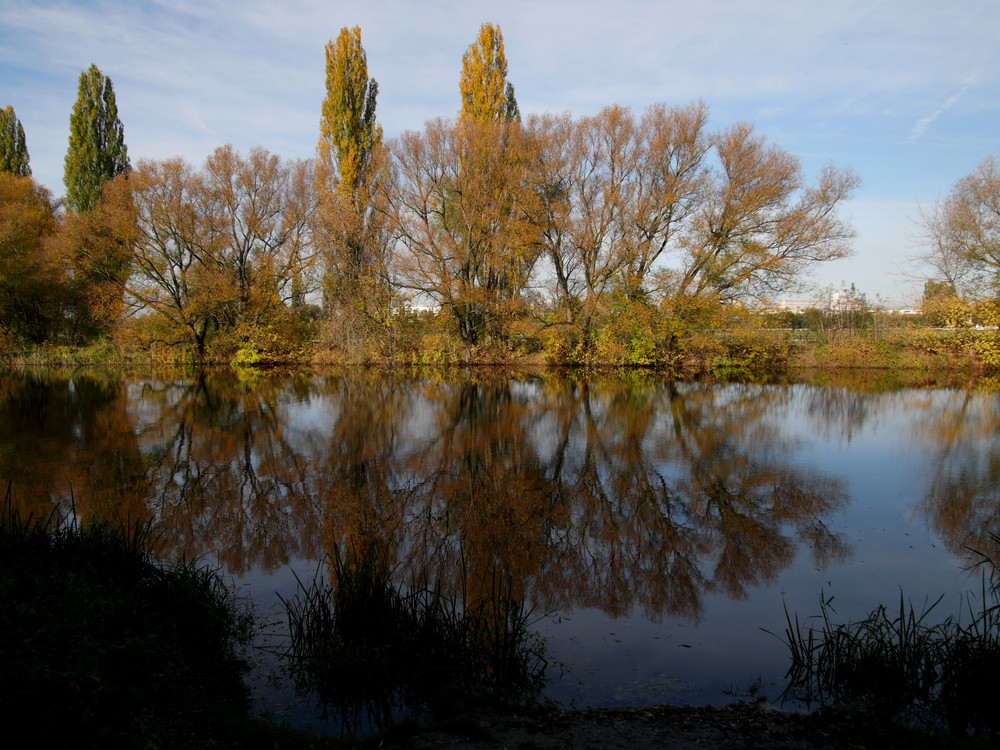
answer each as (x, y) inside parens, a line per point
(800, 305)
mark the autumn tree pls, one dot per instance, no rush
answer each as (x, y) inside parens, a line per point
(653, 221)
(962, 234)
(669, 186)
(729, 211)
(466, 208)
(638, 220)
(221, 250)
(468, 218)
(759, 228)
(96, 247)
(259, 214)
(13, 151)
(171, 239)
(618, 191)
(97, 151)
(603, 185)
(553, 136)
(32, 280)
(350, 164)
(487, 95)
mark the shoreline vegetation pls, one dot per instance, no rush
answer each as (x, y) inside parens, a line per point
(728, 352)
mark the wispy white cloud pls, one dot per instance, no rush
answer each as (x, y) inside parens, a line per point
(921, 126)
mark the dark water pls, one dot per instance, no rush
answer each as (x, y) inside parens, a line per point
(656, 528)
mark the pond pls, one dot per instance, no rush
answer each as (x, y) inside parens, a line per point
(655, 530)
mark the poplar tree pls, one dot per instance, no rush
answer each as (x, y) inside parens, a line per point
(349, 148)
(13, 152)
(348, 133)
(97, 150)
(487, 95)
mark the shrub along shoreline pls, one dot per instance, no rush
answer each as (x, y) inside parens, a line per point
(719, 352)
(103, 646)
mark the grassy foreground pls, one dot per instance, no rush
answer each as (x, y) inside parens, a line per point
(940, 675)
(377, 652)
(102, 646)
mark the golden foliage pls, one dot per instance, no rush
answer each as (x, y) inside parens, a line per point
(469, 221)
(226, 246)
(487, 95)
(349, 135)
(34, 282)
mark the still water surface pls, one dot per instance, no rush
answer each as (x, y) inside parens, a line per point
(657, 529)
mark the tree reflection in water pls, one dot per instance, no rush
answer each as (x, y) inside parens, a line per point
(616, 493)
(963, 499)
(623, 494)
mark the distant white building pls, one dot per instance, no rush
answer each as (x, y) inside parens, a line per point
(844, 300)
(800, 305)
(431, 309)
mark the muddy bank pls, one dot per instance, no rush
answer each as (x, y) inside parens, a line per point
(749, 726)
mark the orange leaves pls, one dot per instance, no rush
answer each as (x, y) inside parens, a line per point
(33, 278)
(223, 246)
(469, 219)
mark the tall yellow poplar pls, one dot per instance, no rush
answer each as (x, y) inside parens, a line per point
(348, 171)
(349, 135)
(487, 95)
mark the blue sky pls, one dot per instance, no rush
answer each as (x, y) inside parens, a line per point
(906, 93)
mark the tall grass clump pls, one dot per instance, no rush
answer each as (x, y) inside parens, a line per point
(103, 646)
(373, 650)
(902, 665)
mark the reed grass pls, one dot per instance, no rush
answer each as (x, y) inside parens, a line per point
(942, 675)
(373, 650)
(101, 645)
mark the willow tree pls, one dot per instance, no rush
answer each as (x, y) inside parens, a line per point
(13, 151)
(487, 95)
(220, 250)
(620, 188)
(758, 228)
(97, 151)
(962, 234)
(349, 149)
(468, 223)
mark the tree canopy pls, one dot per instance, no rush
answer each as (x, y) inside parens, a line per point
(349, 134)
(32, 281)
(487, 95)
(618, 221)
(13, 151)
(221, 249)
(962, 233)
(97, 151)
